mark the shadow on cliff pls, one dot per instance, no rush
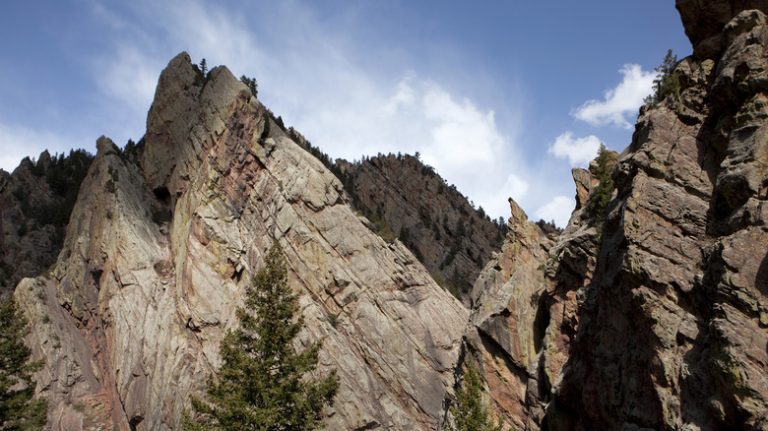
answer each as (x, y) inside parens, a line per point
(761, 280)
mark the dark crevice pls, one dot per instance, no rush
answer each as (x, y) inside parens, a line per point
(162, 194)
(541, 322)
(135, 421)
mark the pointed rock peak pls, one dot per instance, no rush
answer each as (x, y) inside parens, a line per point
(186, 99)
(518, 215)
(105, 146)
(583, 180)
(181, 59)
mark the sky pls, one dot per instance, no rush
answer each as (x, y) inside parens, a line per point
(503, 98)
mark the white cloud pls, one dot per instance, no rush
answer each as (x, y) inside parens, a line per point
(578, 151)
(516, 187)
(623, 100)
(345, 99)
(558, 209)
(326, 87)
(130, 77)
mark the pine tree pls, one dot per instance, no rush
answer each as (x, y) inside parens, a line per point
(469, 413)
(666, 82)
(252, 85)
(18, 410)
(602, 170)
(204, 67)
(262, 383)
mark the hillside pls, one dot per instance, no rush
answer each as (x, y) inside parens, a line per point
(35, 204)
(408, 200)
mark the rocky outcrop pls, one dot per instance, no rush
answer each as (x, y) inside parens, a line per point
(35, 204)
(526, 310)
(654, 318)
(158, 252)
(406, 199)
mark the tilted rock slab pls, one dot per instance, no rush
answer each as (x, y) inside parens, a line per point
(158, 253)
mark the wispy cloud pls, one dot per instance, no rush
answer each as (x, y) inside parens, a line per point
(19, 142)
(558, 209)
(324, 84)
(620, 102)
(578, 151)
(129, 76)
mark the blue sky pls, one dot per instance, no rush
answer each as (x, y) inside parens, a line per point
(502, 97)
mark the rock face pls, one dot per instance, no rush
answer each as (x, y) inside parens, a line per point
(35, 204)
(158, 252)
(405, 198)
(657, 317)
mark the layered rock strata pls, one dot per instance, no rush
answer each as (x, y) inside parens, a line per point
(157, 255)
(654, 318)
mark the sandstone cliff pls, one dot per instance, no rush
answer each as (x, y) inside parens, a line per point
(656, 317)
(162, 242)
(407, 199)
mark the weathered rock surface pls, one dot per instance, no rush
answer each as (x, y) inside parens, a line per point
(407, 199)
(655, 318)
(157, 254)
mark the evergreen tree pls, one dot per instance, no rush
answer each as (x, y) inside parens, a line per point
(18, 411)
(262, 383)
(469, 413)
(666, 82)
(204, 67)
(602, 169)
(252, 85)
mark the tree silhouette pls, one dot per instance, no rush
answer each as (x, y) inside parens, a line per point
(18, 410)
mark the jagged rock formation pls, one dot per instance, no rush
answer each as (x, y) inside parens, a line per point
(405, 198)
(35, 204)
(158, 251)
(650, 315)
(657, 317)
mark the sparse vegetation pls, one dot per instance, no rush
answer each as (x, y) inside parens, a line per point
(204, 68)
(132, 150)
(469, 413)
(263, 382)
(602, 169)
(18, 409)
(381, 227)
(333, 319)
(252, 85)
(549, 227)
(265, 131)
(667, 82)
(63, 175)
